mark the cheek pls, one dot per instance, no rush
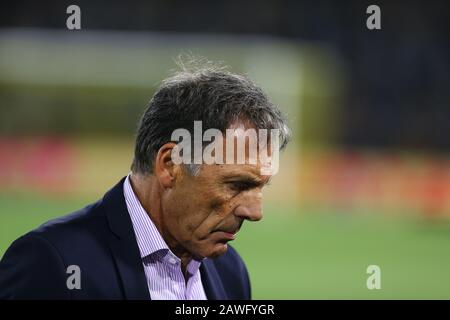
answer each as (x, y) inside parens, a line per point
(219, 210)
(220, 201)
(201, 211)
(202, 218)
(193, 215)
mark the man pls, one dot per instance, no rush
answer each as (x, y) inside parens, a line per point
(162, 231)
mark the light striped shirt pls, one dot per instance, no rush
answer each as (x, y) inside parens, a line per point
(162, 267)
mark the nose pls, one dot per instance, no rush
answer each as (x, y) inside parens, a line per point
(250, 207)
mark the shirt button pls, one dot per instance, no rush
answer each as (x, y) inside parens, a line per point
(172, 261)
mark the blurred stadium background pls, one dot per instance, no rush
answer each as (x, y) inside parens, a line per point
(365, 181)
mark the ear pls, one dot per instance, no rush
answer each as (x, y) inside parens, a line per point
(166, 170)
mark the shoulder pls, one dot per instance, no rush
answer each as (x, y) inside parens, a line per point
(39, 259)
(30, 264)
(73, 228)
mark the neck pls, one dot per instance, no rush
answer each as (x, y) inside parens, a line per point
(149, 194)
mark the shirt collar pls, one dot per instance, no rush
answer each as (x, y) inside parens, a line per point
(147, 235)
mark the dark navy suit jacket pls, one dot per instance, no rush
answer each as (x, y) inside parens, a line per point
(101, 241)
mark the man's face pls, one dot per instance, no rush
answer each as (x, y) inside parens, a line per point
(202, 213)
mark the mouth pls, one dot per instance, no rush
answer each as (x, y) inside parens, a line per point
(229, 234)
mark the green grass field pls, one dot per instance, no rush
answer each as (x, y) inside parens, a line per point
(306, 254)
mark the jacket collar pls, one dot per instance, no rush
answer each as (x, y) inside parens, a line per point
(212, 284)
(123, 245)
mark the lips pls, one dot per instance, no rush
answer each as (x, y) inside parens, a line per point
(228, 233)
(233, 230)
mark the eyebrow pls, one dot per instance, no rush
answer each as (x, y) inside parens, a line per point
(250, 179)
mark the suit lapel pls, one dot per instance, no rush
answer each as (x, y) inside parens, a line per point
(130, 268)
(212, 284)
(123, 245)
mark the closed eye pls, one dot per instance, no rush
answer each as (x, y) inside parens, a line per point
(243, 185)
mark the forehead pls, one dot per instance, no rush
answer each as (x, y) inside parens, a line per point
(250, 153)
(241, 138)
(224, 171)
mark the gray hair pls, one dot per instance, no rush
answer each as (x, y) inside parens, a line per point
(207, 92)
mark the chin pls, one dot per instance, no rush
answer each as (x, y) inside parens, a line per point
(217, 250)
